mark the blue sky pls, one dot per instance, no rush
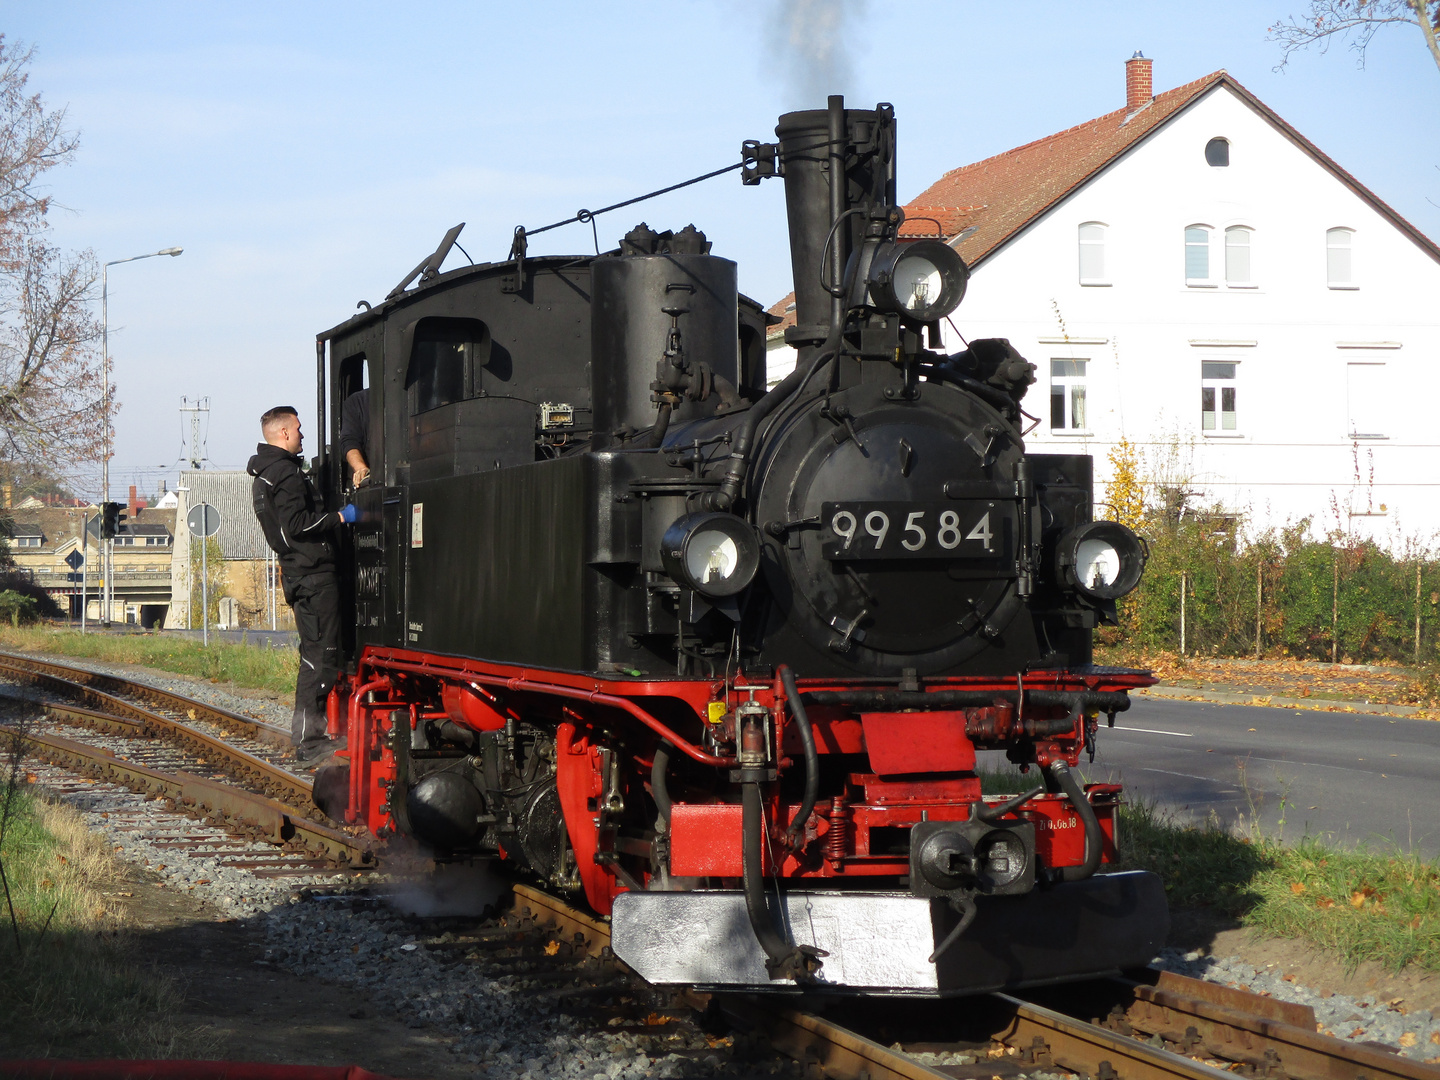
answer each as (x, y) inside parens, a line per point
(306, 156)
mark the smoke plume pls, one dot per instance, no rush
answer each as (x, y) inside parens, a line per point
(812, 40)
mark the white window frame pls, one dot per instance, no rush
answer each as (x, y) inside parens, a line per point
(1218, 384)
(1069, 382)
(1249, 246)
(1348, 285)
(1103, 280)
(1208, 281)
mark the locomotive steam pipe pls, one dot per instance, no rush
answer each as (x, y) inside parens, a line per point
(1094, 839)
(839, 250)
(812, 757)
(894, 700)
(594, 697)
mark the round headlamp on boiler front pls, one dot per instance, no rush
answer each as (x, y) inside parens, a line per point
(920, 280)
(714, 554)
(1101, 559)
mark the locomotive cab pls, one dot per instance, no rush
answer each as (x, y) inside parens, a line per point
(718, 659)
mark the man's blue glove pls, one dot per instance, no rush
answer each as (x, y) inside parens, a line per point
(348, 514)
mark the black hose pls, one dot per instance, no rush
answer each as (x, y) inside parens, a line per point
(812, 757)
(781, 955)
(1094, 839)
(724, 498)
(658, 787)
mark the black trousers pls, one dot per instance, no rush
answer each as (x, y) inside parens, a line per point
(316, 601)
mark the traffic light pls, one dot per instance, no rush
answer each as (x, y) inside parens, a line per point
(110, 518)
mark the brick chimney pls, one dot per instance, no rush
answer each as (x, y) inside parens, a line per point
(134, 502)
(1138, 90)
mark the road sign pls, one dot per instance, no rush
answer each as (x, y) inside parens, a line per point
(75, 560)
(74, 577)
(203, 519)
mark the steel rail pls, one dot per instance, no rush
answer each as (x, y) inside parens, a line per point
(115, 684)
(839, 1053)
(246, 767)
(1267, 1038)
(1270, 1037)
(548, 910)
(1047, 1038)
(273, 820)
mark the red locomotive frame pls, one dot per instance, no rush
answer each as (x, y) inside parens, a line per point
(922, 761)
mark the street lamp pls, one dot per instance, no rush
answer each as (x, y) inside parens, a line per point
(107, 547)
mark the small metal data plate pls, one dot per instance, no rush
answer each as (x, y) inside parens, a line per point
(556, 416)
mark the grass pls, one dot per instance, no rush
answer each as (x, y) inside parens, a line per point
(243, 665)
(72, 987)
(1356, 905)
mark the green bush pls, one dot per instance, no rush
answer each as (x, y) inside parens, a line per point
(1341, 597)
(17, 607)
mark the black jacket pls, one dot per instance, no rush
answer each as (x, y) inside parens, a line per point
(289, 511)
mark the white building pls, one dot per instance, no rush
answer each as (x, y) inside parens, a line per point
(1191, 273)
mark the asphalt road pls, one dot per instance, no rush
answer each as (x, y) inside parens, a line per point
(1352, 779)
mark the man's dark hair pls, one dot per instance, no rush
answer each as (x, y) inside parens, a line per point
(271, 415)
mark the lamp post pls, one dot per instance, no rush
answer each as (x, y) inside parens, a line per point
(107, 547)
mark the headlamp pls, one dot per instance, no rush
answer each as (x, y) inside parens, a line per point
(920, 280)
(714, 554)
(1101, 559)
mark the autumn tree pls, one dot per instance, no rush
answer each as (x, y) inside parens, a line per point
(50, 369)
(1356, 21)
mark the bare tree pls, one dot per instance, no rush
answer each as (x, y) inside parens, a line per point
(1356, 21)
(50, 369)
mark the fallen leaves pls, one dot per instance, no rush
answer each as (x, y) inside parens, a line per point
(1297, 887)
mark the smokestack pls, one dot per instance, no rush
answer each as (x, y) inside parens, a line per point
(1138, 85)
(134, 502)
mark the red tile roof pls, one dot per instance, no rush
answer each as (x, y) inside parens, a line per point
(1012, 189)
(1000, 196)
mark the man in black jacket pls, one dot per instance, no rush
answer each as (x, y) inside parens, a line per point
(297, 529)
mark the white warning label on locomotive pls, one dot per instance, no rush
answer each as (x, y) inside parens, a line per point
(968, 529)
(417, 525)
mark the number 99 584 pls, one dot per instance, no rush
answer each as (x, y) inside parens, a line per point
(969, 529)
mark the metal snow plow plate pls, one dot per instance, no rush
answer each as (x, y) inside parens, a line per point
(879, 943)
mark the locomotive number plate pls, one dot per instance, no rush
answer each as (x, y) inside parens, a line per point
(963, 529)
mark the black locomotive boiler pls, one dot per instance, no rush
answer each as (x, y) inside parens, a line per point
(719, 659)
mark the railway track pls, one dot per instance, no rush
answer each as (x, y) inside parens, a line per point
(208, 762)
(1167, 1027)
(1159, 1027)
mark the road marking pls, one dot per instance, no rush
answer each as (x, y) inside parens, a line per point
(1188, 776)
(1154, 731)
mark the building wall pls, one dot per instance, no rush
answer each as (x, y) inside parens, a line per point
(246, 566)
(1295, 341)
(142, 573)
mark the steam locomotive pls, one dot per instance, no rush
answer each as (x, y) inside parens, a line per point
(719, 659)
